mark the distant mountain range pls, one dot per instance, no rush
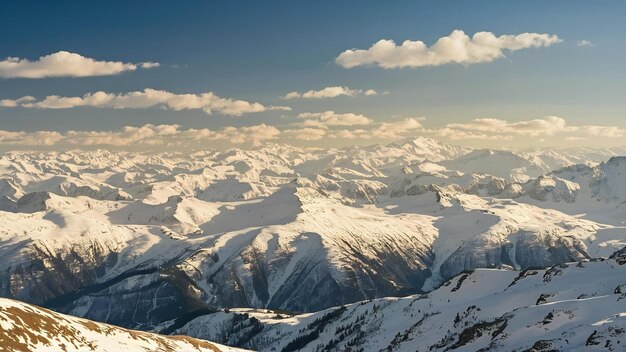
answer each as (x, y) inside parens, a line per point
(166, 242)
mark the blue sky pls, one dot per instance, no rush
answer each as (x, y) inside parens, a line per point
(260, 51)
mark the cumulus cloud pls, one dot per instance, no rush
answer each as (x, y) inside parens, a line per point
(305, 134)
(30, 138)
(148, 98)
(151, 135)
(385, 130)
(331, 118)
(584, 43)
(65, 64)
(9, 103)
(486, 129)
(457, 47)
(329, 92)
(604, 131)
(397, 129)
(498, 129)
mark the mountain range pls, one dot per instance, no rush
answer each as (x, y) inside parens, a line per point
(273, 247)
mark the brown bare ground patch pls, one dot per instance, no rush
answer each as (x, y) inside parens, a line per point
(32, 326)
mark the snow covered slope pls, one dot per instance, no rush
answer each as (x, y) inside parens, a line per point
(579, 306)
(506, 164)
(142, 240)
(597, 192)
(28, 328)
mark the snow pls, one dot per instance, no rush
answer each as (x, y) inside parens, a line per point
(582, 302)
(301, 229)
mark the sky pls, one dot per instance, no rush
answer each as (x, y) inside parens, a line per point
(212, 74)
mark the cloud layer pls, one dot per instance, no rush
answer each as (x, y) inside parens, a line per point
(494, 129)
(485, 129)
(332, 133)
(148, 98)
(457, 47)
(146, 135)
(65, 64)
(329, 92)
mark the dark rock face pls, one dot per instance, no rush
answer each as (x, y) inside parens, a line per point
(72, 282)
(312, 283)
(474, 255)
(46, 275)
(542, 250)
(147, 296)
(75, 280)
(531, 250)
(141, 301)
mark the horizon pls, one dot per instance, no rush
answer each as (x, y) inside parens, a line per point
(144, 149)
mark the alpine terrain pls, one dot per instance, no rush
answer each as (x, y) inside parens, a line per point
(287, 248)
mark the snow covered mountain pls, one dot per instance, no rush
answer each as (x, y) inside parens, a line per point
(598, 192)
(29, 328)
(575, 306)
(152, 241)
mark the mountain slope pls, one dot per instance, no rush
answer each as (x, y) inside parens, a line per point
(569, 307)
(597, 192)
(29, 328)
(277, 227)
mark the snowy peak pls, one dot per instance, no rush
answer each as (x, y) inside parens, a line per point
(505, 164)
(546, 187)
(612, 182)
(430, 149)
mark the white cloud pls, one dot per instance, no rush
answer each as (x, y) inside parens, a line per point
(548, 125)
(148, 98)
(458, 47)
(30, 138)
(248, 134)
(65, 64)
(9, 103)
(397, 129)
(148, 65)
(293, 95)
(305, 134)
(584, 43)
(498, 129)
(331, 118)
(604, 131)
(329, 92)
